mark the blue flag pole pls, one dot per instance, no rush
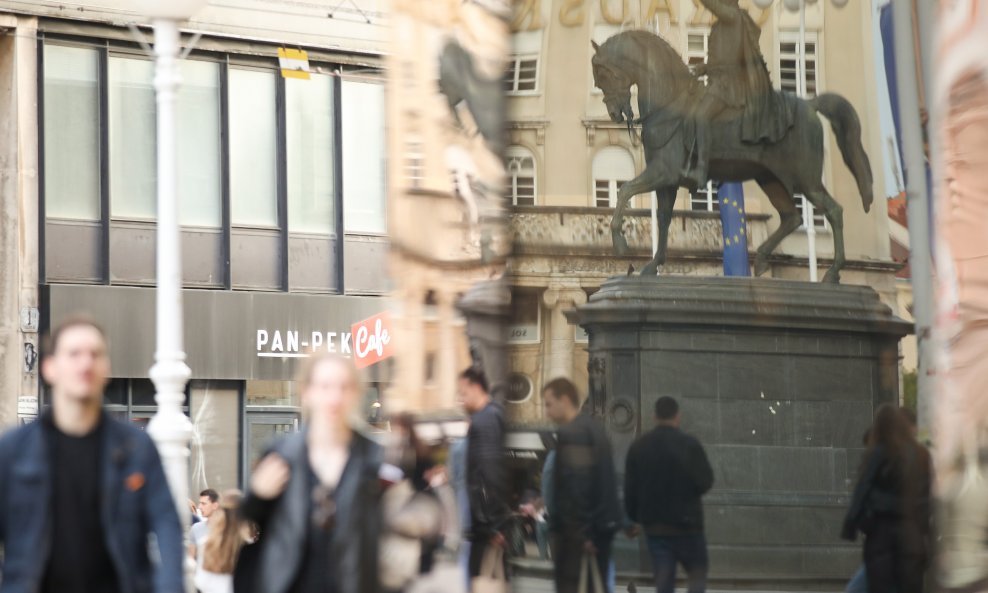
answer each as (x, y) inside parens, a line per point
(735, 231)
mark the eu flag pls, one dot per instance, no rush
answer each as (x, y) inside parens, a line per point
(732, 220)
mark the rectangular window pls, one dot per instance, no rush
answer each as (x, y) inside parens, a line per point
(789, 72)
(309, 131)
(199, 186)
(807, 211)
(522, 75)
(606, 191)
(72, 125)
(132, 113)
(521, 176)
(414, 161)
(363, 157)
(697, 42)
(253, 148)
(705, 199)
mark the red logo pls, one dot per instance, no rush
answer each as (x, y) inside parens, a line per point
(372, 340)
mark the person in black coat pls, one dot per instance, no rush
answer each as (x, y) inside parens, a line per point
(667, 473)
(490, 513)
(891, 506)
(316, 495)
(586, 512)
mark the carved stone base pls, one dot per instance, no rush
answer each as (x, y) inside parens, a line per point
(777, 379)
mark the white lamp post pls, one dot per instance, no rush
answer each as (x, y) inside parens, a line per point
(800, 6)
(170, 428)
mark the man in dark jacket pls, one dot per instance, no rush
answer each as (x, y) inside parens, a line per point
(666, 475)
(585, 509)
(490, 514)
(81, 493)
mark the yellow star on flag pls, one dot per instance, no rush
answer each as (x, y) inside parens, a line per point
(727, 240)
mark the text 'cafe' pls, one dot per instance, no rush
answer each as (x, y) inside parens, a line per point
(243, 349)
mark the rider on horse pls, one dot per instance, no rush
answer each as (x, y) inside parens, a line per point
(738, 81)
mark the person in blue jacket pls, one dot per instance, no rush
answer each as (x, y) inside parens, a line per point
(81, 494)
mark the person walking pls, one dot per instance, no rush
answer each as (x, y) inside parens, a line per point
(490, 514)
(81, 493)
(220, 548)
(316, 496)
(209, 502)
(586, 512)
(666, 475)
(891, 506)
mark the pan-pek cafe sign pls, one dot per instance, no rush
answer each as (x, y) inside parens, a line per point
(232, 335)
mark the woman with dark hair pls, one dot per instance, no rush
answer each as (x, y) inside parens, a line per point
(891, 506)
(316, 495)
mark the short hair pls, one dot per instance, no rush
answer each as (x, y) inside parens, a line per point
(563, 388)
(213, 495)
(666, 408)
(50, 344)
(475, 376)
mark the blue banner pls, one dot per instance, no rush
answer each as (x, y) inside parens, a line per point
(733, 223)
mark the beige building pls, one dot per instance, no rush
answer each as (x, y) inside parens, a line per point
(566, 160)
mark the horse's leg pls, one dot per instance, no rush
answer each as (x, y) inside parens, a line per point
(667, 200)
(834, 212)
(789, 221)
(648, 180)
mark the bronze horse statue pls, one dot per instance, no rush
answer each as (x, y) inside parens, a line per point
(794, 164)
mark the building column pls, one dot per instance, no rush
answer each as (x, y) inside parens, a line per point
(560, 343)
(19, 357)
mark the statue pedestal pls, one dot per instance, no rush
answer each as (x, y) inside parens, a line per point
(777, 379)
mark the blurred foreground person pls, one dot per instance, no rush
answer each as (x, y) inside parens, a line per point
(667, 474)
(490, 514)
(585, 511)
(220, 548)
(80, 493)
(316, 496)
(891, 506)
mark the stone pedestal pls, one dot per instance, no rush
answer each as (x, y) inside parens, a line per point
(777, 379)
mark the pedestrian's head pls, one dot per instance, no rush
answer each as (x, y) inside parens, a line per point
(561, 399)
(667, 411)
(330, 387)
(76, 363)
(890, 430)
(209, 501)
(227, 534)
(472, 390)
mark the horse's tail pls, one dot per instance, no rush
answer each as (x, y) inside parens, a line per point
(847, 128)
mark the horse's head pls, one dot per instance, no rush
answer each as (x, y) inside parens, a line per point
(616, 85)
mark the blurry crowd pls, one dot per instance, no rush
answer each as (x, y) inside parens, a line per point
(340, 508)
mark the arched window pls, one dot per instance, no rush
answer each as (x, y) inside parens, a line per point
(612, 166)
(520, 165)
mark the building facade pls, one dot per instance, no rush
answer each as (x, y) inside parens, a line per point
(282, 197)
(566, 160)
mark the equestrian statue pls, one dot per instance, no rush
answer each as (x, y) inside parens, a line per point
(734, 127)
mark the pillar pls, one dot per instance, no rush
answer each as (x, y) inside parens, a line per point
(558, 299)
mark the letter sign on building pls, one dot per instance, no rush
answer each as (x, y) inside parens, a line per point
(372, 341)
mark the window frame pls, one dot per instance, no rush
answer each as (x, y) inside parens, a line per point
(514, 70)
(786, 36)
(537, 339)
(517, 151)
(613, 183)
(689, 55)
(712, 200)
(820, 222)
(225, 60)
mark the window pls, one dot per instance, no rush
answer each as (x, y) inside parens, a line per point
(806, 211)
(253, 152)
(612, 167)
(414, 161)
(72, 152)
(705, 199)
(789, 63)
(133, 168)
(697, 45)
(363, 157)
(309, 131)
(521, 176)
(199, 187)
(522, 75)
(523, 326)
